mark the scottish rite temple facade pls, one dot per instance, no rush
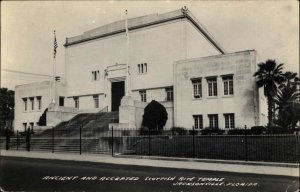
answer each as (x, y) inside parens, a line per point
(169, 57)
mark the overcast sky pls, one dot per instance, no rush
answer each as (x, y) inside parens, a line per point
(270, 27)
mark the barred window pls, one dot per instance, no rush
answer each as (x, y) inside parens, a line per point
(169, 94)
(198, 121)
(76, 102)
(96, 101)
(39, 102)
(228, 85)
(197, 88)
(25, 104)
(229, 120)
(212, 87)
(32, 103)
(143, 96)
(95, 75)
(213, 121)
(142, 68)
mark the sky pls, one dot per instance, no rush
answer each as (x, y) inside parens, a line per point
(269, 27)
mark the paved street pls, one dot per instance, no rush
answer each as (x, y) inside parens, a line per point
(25, 174)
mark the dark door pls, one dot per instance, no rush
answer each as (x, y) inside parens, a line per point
(117, 92)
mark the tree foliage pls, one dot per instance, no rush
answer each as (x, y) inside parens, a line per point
(287, 101)
(269, 76)
(43, 118)
(155, 116)
(7, 106)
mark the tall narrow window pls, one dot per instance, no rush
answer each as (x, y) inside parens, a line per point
(197, 88)
(95, 75)
(31, 125)
(198, 121)
(25, 104)
(145, 65)
(213, 121)
(169, 94)
(32, 103)
(76, 102)
(143, 96)
(61, 101)
(228, 85)
(142, 68)
(25, 126)
(229, 120)
(39, 102)
(212, 86)
(96, 101)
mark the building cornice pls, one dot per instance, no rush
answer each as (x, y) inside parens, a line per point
(185, 14)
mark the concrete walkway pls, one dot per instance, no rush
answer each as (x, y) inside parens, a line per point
(281, 169)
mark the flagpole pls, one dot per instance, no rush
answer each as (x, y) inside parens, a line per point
(54, 69)
(127, 56)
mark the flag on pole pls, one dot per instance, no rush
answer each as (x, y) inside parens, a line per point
(55, 45)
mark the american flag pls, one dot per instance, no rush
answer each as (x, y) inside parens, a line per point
(55, 45)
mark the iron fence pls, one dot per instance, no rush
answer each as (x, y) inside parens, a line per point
(226, 145)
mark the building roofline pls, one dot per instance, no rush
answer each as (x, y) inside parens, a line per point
(165, 17)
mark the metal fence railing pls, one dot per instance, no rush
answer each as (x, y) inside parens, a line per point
(224, 144)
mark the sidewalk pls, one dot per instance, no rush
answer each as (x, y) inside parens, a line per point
(281, 169)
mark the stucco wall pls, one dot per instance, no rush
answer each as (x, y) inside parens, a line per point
(158, 46)
(42, 89)
(243, 103)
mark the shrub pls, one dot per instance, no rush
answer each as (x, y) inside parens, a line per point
(257, 130)
(278, 130)
(155, 116)
(212, 131)
(238, 131)
(178, 131)
(43, 119)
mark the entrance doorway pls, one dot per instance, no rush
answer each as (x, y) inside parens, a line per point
(117, 92)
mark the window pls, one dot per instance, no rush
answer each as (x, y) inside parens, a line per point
(61, 101)
(95, 75)
(24, 126)
(228, 85)
(31, 125)
(32, 103)
(96, 101)
(212, 86)
(197, 87)
(142, 68)
(169, 94)
(229, 120)
(39, 102)
(143, 96)
(25, 104)
(76, 102)
(198, 121)
(213, 121)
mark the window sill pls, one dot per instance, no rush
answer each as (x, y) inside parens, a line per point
(227, 96)
(197, 98)
(212, 97)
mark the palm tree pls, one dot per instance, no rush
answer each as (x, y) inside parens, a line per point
(269, 76)
(287, 100)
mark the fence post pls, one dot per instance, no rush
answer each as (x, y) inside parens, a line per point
(80, 139)
(17, 139)
(193, 141)
(7, 139)
(246, 147)
(112, 141)
(52, 139)
(28, 139)
(149, 143)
